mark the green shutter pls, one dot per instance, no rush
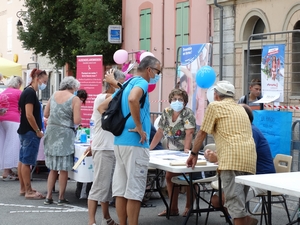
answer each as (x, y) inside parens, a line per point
(182, 24)
(145, 29)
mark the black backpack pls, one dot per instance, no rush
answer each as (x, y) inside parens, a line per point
(112, 119)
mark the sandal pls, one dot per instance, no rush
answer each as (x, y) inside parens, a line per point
(164, 213)
(62, 201)
(10, 177)
(185, 213)
(48, 201)
(109, 221)
(35, 196)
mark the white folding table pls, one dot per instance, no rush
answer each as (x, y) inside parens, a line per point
(285, 183)
(160, 159)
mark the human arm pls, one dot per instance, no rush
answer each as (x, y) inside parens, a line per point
(88, 151)
(47, 110)
(192, 160)
(156, 139)
(104, 105)
(134, 105)
(188, 139)
(76, 110)
(31, 120)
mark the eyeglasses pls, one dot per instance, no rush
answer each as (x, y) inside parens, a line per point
(177, 99)
(158, 71)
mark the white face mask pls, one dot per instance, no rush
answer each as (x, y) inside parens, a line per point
(42, 86)
(177, 106)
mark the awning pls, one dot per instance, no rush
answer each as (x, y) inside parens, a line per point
(9, 68)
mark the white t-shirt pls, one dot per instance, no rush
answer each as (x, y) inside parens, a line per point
(102, 140)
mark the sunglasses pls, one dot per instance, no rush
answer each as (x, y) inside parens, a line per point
(158, 71)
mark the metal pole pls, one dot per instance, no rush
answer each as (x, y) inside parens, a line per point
(221, 40)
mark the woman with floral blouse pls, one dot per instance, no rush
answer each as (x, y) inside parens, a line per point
(178, 125)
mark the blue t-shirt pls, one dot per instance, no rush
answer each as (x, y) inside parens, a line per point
(264, 162)
(133, 138)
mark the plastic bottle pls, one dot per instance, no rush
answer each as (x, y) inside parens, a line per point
(92, 126)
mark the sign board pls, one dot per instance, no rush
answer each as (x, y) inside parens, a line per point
(115, 34)
(89, 74)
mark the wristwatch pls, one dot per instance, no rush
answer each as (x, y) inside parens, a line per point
(193, 153)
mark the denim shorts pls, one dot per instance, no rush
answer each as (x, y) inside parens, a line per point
(29, 148)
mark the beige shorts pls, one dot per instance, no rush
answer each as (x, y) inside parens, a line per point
(130, 176)
(104, 164)
(235, 194)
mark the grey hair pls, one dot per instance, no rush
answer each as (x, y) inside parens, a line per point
(118, 75)
(148, 61)
(222, 96)
(1, 76)
(69, 83)
(15, 82)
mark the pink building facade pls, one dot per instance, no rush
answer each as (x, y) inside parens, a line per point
(161, 26)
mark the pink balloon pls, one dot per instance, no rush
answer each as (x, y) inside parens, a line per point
(151, 87)
(145, 54)
(128, 76)
(138, 56)
(125, 66)
(121, 56)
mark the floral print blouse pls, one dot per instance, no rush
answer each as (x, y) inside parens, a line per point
(175, 131)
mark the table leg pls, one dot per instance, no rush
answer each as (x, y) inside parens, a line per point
(269, 208)
(158, 188)
(190, 181)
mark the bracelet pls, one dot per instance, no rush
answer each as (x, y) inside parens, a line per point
(37, 130)
(193, 153)
(119, 84)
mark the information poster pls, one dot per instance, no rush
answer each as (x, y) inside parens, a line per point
(89, 74)
(277, 129)
(272, 70)
(193, 57)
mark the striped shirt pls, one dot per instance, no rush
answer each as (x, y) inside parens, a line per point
(229, 123)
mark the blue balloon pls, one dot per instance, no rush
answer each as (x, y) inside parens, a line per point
(205, 77)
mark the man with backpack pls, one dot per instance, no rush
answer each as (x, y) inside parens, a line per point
(132, 145)
(254, 95)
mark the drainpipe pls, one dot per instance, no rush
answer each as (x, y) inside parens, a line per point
(221, 39)
(162, 56)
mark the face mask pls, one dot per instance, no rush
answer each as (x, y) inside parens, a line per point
(42, 86)
(75, 93)
(177, 106)
(155, 79)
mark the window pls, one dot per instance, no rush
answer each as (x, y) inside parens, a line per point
(145, 29)
(182, 24)
(9, 34)
(295, 61)
(46, 92)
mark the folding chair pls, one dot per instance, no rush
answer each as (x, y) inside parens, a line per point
(283, 164)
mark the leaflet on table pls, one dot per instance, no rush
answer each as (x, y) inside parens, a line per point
(170, 155)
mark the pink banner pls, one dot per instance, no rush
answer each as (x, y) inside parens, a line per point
(89, 74)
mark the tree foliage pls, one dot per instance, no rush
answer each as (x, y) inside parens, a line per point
(67, 28)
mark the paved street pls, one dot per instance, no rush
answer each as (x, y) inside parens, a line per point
(15, 210)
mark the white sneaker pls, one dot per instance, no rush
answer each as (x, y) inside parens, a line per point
(108, 222)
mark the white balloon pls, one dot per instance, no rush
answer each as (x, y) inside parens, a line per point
(145, 54)
(210, 94)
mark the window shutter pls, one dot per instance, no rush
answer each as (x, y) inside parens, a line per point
(145, 29)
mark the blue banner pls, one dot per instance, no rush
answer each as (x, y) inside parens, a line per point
(277, 129)
(190, 53)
